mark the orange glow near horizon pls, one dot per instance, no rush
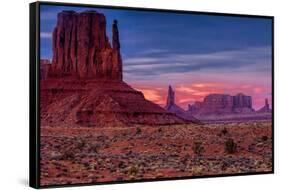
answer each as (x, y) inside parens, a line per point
(188, 94)
(152, 95)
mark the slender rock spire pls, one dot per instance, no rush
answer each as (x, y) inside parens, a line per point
(266, 104)
(115, 35)
(266, 107)
(117, 65)
(171, 97)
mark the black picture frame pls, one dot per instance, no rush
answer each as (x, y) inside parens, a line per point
(34, 92)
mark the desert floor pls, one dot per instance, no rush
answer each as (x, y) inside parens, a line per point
(88, 155)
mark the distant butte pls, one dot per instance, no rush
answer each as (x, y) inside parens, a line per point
(265, 108)
(172, 107)
(222, 104)
(84, 86)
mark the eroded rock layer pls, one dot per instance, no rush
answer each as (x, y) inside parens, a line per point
(98, 103)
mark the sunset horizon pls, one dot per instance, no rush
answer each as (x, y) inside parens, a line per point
(206, 54)
(189, 94)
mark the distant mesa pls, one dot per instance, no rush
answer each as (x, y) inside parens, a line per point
(222, 104)
(172, 107)
(83, 86)
(265, 108)
(219, 108)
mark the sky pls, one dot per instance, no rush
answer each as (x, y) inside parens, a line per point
(195, 54)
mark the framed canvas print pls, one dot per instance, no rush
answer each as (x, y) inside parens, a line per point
(121, 94)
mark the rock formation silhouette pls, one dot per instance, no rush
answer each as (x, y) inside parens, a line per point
(266, 107)
(172, 107)
(81, 48)
(222, 104)
(84, 85)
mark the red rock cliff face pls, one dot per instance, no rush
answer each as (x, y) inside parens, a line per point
(82, 49)
(217, 103)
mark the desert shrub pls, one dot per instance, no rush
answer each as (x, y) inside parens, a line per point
(224, 165)
(230, 146)
(129, 152)
(65, 170)
(80, 144)
(138, 131)
(121, 165)
(102, 138)
(224, 131)
(197, 170)
(264, 138)
(55, 156)
(68, 155)
(86, 165)
(133, 170)
(198, 147)
(159, 175)
(94, 148)
(119, 179)
(160, 130)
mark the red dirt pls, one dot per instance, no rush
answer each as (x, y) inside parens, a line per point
(89, 155)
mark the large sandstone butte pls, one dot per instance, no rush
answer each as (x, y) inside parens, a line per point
(84, 85)
(172, 107)
(82, 49)
(222, 104)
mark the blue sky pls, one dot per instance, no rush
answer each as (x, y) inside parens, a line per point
(176, 48)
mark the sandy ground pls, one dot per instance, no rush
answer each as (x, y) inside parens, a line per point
(87, 155)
